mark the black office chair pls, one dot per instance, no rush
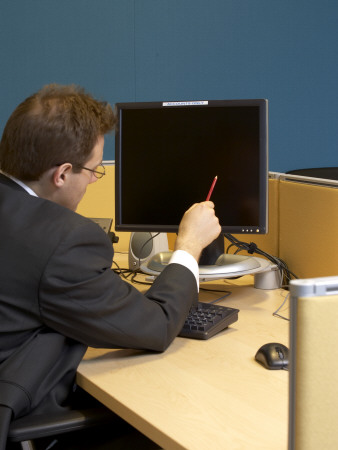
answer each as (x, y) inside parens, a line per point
(328, 173)
(27, 429)
(23, 387)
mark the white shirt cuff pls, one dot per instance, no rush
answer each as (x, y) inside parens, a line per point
(185, 259)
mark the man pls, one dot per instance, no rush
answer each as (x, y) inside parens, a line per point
(58, 293)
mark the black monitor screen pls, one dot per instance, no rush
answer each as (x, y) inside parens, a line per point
(168, 153)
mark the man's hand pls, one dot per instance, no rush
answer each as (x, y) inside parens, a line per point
(198, 228)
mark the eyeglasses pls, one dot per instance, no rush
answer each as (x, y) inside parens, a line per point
(97, 173)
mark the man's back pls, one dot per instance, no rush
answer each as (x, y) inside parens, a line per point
(30, 230)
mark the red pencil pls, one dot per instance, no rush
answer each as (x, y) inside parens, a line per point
(211, 189)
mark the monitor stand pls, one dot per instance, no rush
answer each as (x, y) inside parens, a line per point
(214, 261)
(215, 264)
(209, 255)
(212, 252)
(225, 264)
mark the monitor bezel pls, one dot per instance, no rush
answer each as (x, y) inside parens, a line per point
(262, 227)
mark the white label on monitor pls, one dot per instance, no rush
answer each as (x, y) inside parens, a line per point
(194, 103)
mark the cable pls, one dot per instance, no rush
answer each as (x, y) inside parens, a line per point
(226, 294)
(146, 242)
(251, 248)
(133, 279)
(127, 273)
(121, 272)
(220, 298)
(275, 313)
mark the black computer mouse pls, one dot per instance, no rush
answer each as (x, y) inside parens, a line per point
(273, 356)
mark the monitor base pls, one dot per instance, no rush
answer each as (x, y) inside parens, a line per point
(267, 275)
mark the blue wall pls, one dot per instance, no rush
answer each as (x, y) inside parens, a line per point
(127, 50)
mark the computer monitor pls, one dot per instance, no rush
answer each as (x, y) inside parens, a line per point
(168, 153)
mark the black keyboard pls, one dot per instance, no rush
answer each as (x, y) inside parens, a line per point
(205, 320)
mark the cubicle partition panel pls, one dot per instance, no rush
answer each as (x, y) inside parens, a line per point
(308, 224)
(313, 405)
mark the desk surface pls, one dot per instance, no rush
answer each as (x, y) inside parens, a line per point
(202, 394)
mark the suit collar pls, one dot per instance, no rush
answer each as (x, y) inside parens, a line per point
(10, 183)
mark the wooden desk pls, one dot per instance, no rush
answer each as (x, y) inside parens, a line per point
(202, 394)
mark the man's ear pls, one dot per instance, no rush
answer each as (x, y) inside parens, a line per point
(61, 173)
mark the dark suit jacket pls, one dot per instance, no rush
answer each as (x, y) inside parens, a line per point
(58, 295)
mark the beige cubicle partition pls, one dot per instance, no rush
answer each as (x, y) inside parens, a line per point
(313, 406)
(308, 225)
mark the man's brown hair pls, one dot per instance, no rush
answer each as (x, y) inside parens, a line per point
(58, 124)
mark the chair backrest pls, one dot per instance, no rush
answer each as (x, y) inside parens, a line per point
(313, 395)
(328, 173)
(5, 419)
(29, 375)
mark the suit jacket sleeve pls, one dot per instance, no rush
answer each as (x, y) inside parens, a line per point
(82, 298)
